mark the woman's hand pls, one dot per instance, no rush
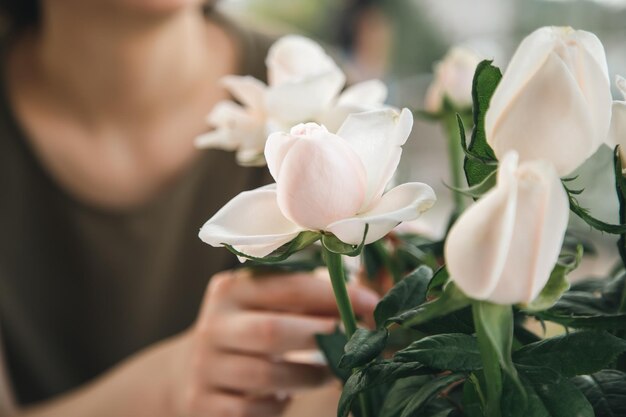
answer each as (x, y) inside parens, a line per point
(229, 363)
(233, 365)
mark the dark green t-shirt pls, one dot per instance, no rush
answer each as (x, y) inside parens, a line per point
(82, 288)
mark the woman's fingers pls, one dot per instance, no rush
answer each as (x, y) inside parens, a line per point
(261, 376)
(267, 333)
(302, 293)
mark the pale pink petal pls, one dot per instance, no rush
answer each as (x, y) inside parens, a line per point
(560, 120)
(220, 138)
(250, 221)
(529, 57)
(303, 101)
(364, 94)
(248, 90)
(541, 218)
(321, 180)
(403, 203)
(595, 85)
(294, 58)
(279, 143)
(478, 243)
(377, 137)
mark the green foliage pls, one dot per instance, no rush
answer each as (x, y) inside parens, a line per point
(557, 283)
(364, 346)
(577, 353)
(408, 293)
(480, 158)
(427, 392)
(556, 399)
(605, 391)
(620, 188)
(583, 213)
(455, 352)
(451, 299)
(373, 375)
(332, 346)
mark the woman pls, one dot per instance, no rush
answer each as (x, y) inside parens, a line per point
(101, 196)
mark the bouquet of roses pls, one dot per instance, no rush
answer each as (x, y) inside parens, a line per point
(452, 336)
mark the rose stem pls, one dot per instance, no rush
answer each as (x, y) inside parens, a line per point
(455, 156)
(338, 280)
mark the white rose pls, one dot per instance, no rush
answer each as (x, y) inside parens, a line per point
(326, 182)
(554, 100)
(504, 247)
(304, 86)
(453, 78)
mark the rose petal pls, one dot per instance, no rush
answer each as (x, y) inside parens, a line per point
(251, 222)
(303, 101)
(543, 133)
(618, 124)
(478, 243)
(294, 58)
(321, 180)
(377, 137)
(366, 93)
(403, 203)
(529, 57)
(541, 218)
(248, 90)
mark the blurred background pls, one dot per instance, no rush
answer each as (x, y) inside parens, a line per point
(399, 41)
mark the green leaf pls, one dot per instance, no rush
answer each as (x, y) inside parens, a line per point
(300, 242)
(406, 294)
(477, 166)
(437, 283)
(373, 375)
(459, 321)
(577, 353)
(332, 346)
(400, 394)
(564, 400)
(561, 399)
(427, 392)
(364, 346)
(615, 229)
(453, 352)
(605, 391)
(333, 244)
(557, 283)
(583, 321)
(452, 299)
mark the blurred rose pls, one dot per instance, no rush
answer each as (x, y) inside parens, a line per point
(325, 182)
(554, 100)
(503, 248)
(304, 86)
(452, 80)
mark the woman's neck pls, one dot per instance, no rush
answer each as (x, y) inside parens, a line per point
(103, 62)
